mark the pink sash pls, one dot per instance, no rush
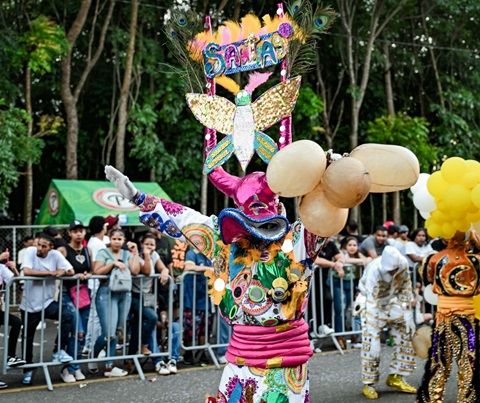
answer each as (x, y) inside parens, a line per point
(285, 345)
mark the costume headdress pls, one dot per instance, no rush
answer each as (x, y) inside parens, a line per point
(251, 44)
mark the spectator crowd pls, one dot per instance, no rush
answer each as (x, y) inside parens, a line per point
(99, 317)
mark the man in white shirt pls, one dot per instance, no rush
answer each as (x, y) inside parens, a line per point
(43, 261)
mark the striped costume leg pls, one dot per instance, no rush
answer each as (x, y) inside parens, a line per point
(403, 360)
(370, 372)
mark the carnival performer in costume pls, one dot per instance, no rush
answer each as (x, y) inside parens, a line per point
(262, 265)
(387, 287)
(261, 289)
(455, 276)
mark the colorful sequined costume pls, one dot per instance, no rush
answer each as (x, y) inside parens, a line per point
(455, 275)
(388, 299)
(260, 282)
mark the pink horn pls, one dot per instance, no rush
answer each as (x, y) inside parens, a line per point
(223, 181)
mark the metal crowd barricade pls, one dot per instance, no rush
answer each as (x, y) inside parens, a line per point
(212, 336)
(45, 362)
(316, 319)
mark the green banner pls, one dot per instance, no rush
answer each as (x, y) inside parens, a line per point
(68, 200)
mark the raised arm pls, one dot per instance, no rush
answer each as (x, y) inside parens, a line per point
(173, 219)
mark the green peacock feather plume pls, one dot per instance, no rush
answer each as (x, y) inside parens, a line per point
(180, 29)
(301, 48)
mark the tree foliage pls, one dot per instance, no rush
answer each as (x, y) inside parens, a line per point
(435, 65)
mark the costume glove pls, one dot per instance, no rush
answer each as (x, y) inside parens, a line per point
(121, 182)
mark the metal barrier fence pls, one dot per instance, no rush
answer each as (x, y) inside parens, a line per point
(34, 318)
(215, 334)
(12, 236)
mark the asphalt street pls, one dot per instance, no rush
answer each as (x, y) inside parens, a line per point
(333, 378)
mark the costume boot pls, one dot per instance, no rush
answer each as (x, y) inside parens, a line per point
(396, 381)
(369, 391)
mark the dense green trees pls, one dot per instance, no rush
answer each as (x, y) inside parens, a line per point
(400, 72)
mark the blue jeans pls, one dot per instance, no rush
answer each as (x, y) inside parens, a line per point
(112, 309)
(80, 316)
(153, 344)
(341, 301)
(34, 318)
(149, 323)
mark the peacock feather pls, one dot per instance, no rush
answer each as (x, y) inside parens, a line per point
(180, 29)
(310, 23)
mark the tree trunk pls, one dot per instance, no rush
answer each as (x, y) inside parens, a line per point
(27, 212)
(391, 113)
(69, 97)
(358, 83)
(434, 60)
(124, 92)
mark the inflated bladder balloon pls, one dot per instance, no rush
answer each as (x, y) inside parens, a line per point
(320, 216)
(422, 341)
(296, 169)
(346, 182)
(391, 167)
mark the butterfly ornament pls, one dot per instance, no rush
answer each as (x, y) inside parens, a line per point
(243, 122)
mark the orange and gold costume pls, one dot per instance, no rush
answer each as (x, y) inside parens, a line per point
(455, 276)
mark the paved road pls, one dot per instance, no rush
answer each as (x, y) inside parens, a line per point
(333, 378)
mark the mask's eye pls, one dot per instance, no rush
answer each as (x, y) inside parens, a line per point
(255, 206)
(269, 226)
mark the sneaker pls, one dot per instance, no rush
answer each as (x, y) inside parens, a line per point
(369, 391)
(114, 372)
(3, 385)
(325, 330)
(78, 374)
(15, 361)
(204, 358)
(62, 356)
(188, 358)
(27, 378)
(318, 350)
(172, 366)
(396, 381)
(357, 345)
(221, 359)
(66, 376)
(41, 325)
(85, 351)
(161, 368)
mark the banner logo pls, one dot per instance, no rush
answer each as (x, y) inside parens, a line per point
(111, 199)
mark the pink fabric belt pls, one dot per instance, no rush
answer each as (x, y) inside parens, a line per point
(285, 345)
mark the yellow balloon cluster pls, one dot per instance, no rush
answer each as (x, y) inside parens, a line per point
(456, 190)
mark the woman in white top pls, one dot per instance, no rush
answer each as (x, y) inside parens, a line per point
(418, 248)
